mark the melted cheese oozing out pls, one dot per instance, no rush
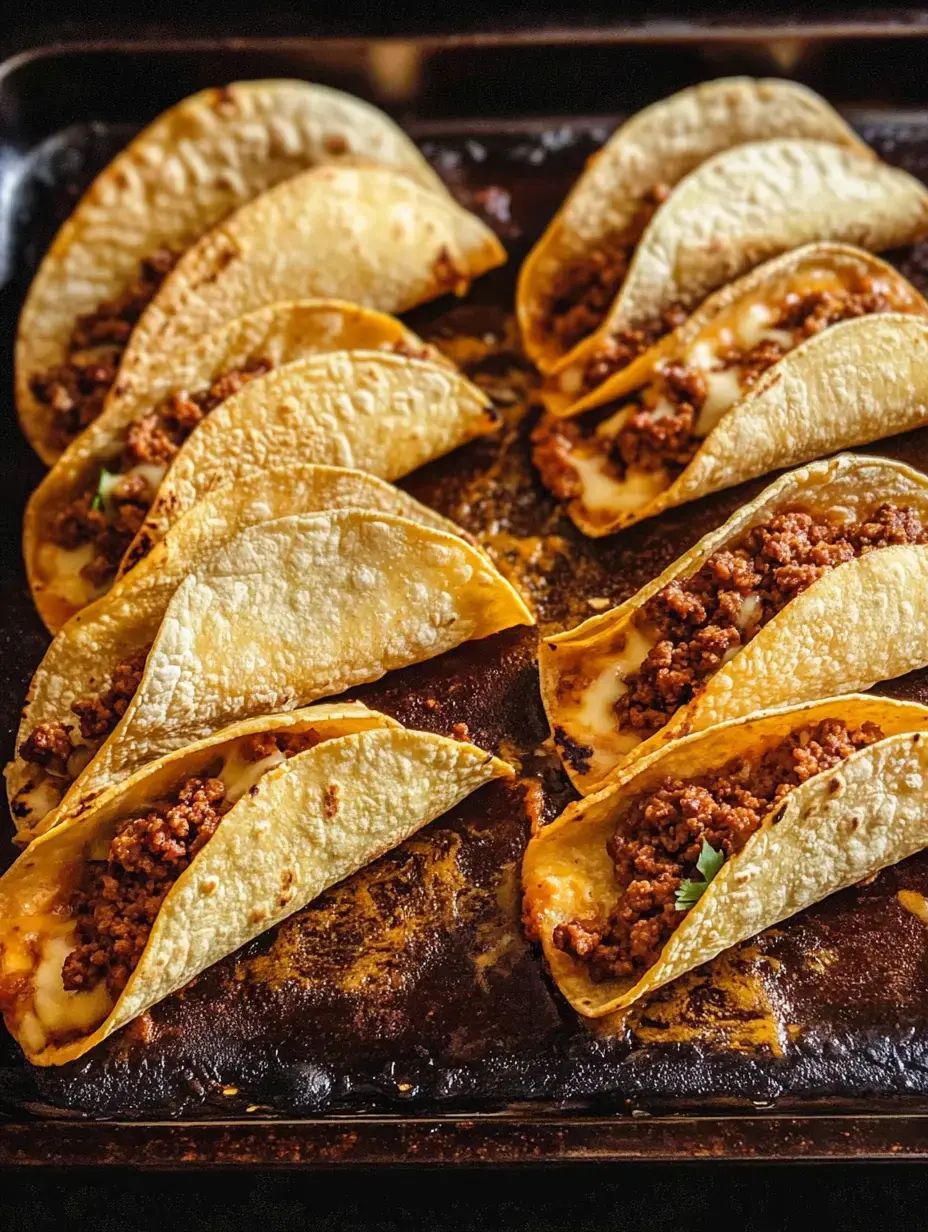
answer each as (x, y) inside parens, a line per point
(240, 776)
(56, 1013)
(602, 491)
(63, 566)
(595, 710)
(751, 607)
(152, 472)
(724, 390)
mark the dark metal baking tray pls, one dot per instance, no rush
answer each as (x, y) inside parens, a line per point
(405, 1018)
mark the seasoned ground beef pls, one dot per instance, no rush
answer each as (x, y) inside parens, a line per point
(583, 290)
(50, 744)
(75, 390)
(654, 440)
(700, 620)
(659, 842)
(47, 744)
(805, 315)
(619, 349)
(553, 441)
(111, 525)
(118, 899)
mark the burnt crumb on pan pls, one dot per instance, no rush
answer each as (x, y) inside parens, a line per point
(576, 755)
(460, 731)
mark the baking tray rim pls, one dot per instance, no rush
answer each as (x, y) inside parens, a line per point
(902, 24)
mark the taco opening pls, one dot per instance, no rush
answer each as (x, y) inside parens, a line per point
(695, 625)
(671, 841)
(102, 924)
(57, 750)
(641, 445)
(74, 391)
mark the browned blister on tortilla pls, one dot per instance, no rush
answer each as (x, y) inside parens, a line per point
(196, 854)
(85, 513)
(181, 175)
(818, 586)
(742, 207)
(574, 272)
(615, 923)
(285, 612)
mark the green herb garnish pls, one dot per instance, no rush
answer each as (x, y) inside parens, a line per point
(709, 863)
(105, 486)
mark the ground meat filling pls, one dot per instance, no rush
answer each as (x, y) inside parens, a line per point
(75, 390)
(660, 839)
(111, 524)
(803, 314)
(119, 898)
(50, 745)
(701, 621)
(583, 290)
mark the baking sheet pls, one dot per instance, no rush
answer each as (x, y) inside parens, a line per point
(410, 990)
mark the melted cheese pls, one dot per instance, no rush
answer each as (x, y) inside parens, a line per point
(39, 799)
(595, 709)
(48, 1012)
(751, 608)
(152, 472)
(240, 776)
(603, 491)
(63, 566)
(724, 391)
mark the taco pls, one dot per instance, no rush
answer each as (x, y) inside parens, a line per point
(194, 165)
(283, 613)
(736, 210)
(203, 850)
(368, 235)
(372, 411)
(818, 586)
(720, 836)
(574, 272)
(746, 386)
(86, 511)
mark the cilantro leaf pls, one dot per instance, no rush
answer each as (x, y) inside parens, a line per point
(710, 861)
(708, 864)
(105, 486)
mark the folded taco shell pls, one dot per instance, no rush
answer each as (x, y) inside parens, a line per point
(371, 411)
(659, 146)
(742, 207)
(861, 622)
(183, 173)
(290, 611)
(302, 827)
(274, 335)
(125, 620)
(833, 830)
(367, 234)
